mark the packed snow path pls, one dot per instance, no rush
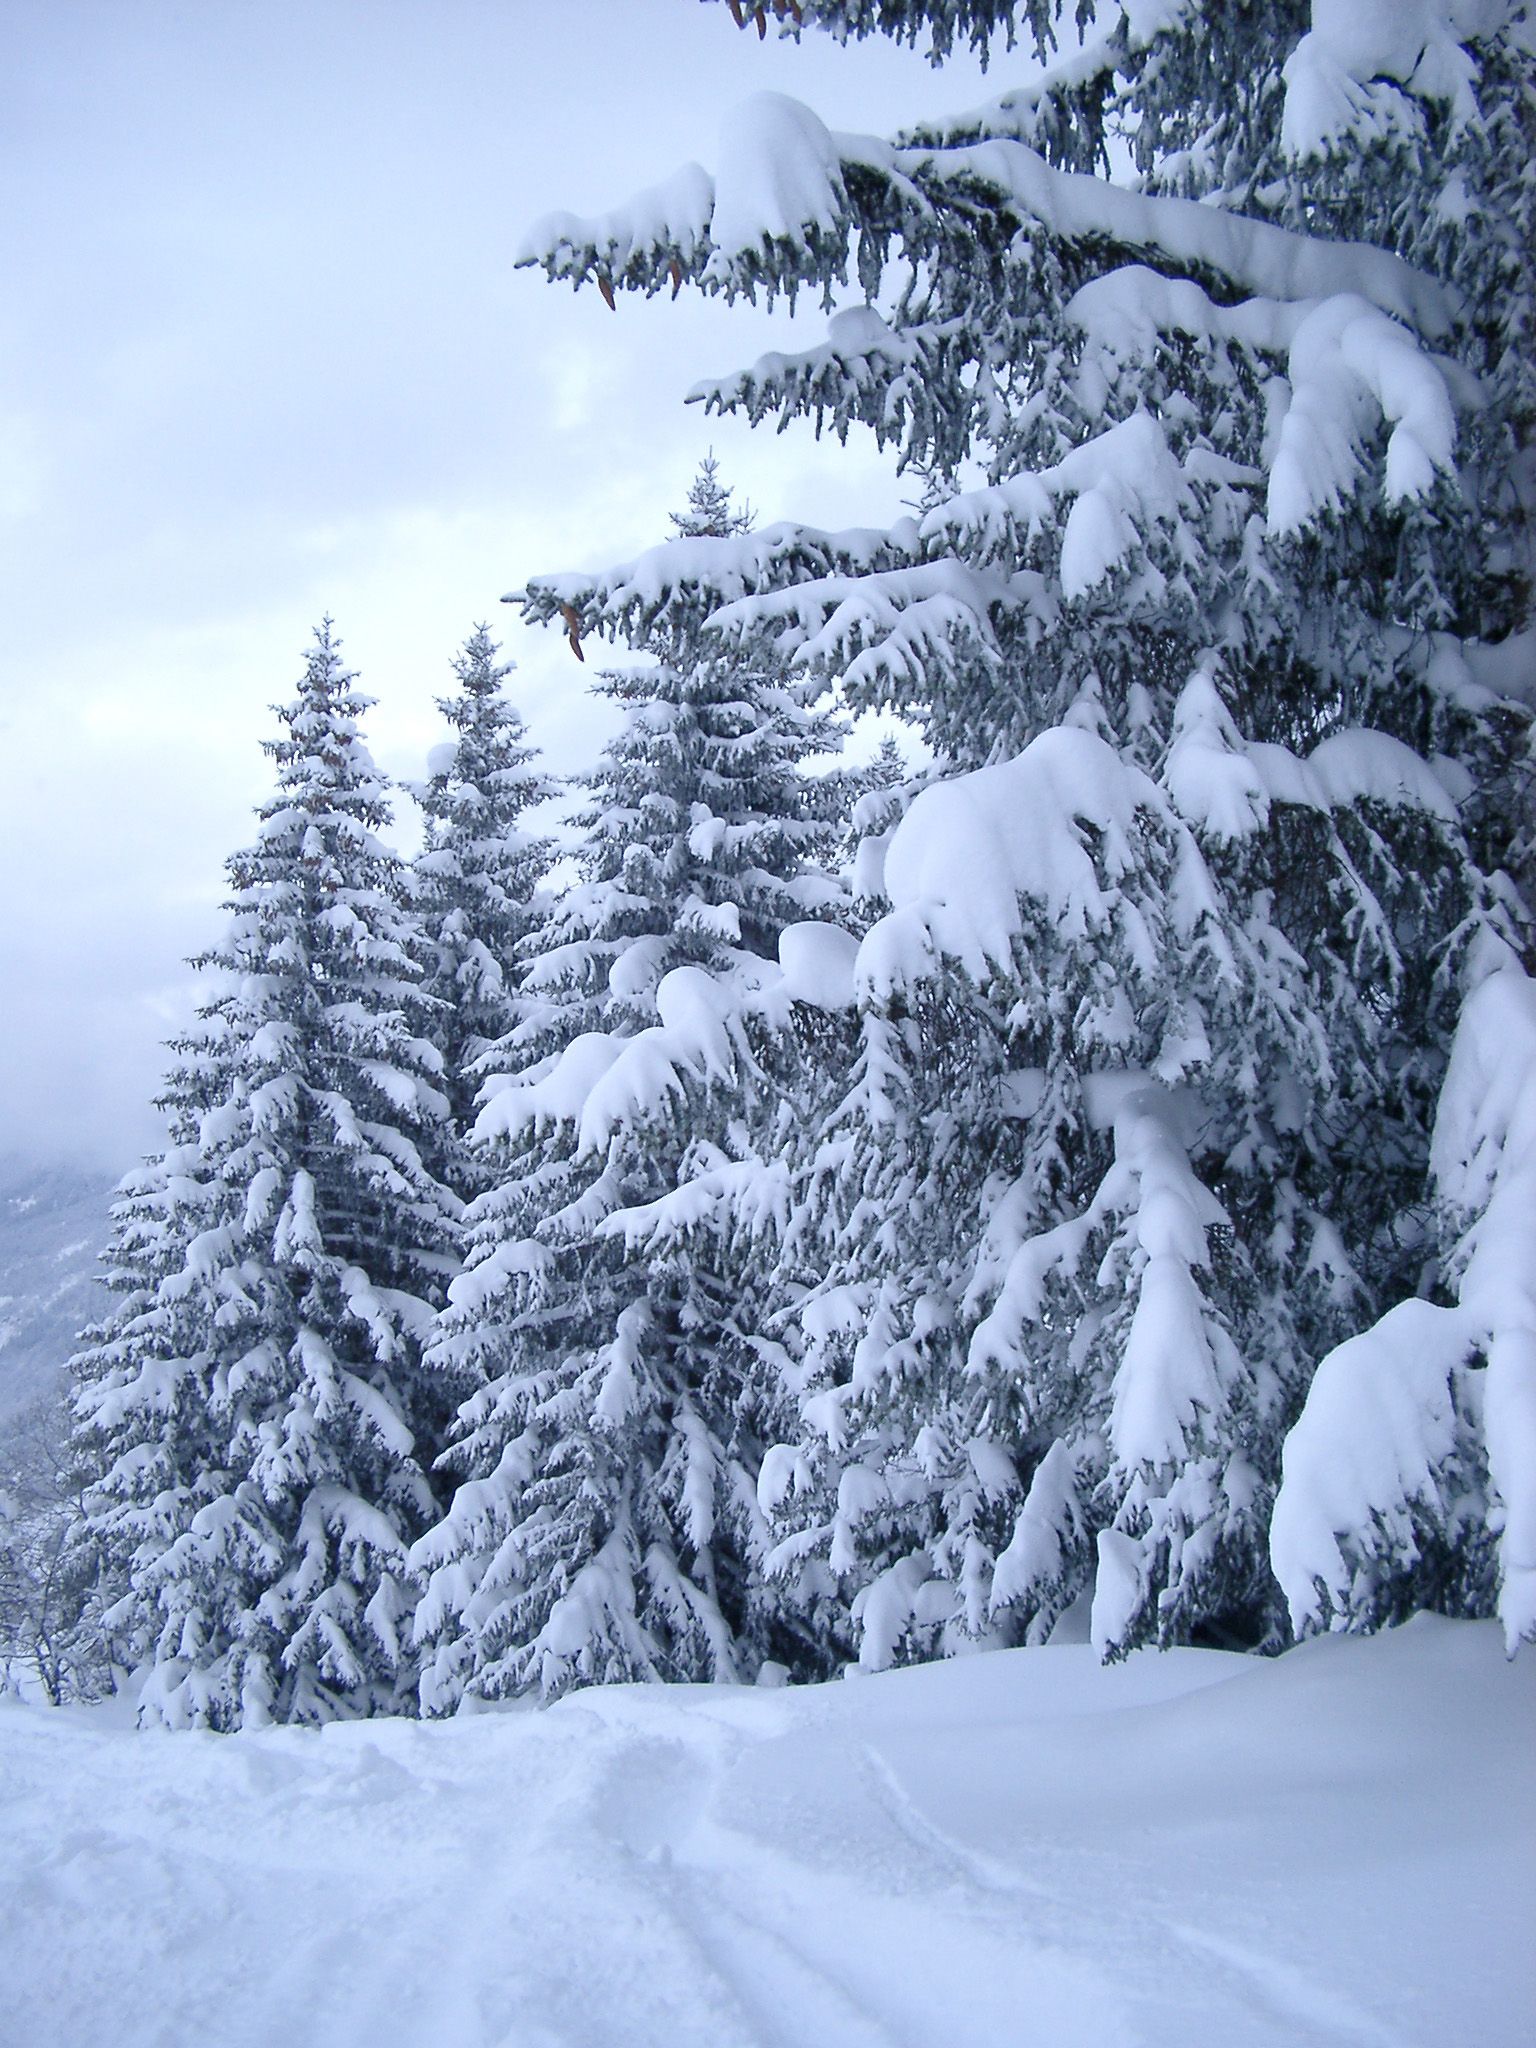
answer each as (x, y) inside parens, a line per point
(1339, 1847)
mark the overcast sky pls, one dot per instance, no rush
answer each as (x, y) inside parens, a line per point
(263, 354)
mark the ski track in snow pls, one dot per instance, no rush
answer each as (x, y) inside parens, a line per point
(1336, 1848)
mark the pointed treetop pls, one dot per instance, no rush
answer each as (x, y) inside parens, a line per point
(325, 674)
(476, 666)
(710, 515)
(320, 750)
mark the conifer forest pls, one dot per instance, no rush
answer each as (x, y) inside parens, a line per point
(770, 1210)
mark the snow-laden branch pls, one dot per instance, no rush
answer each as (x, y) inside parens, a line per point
(973, 851)
(1353, 79)
(1118, 485)
(607, 1082)
(978, 859)
(1347, 363)
(694, 576)
(859, 605)
(788, 187)
(886, 631)
(1020, 113)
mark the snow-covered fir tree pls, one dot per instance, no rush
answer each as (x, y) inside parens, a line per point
(702, 835)
(479, 871)
(709, 513)
(255, 1420)
(606, 1525)
(1220, 632)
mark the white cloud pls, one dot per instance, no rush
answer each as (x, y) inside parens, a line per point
(271, 360)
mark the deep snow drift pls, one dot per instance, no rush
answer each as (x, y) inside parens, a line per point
(1189, 1848)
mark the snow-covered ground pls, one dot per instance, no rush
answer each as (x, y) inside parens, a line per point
(1189, 1848)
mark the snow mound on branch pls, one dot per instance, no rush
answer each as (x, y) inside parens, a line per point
(557, 1095)
(1214, 781)
(1172, 1371)
(707, 574)
(1389, 1409)
(1224, 785)
(779, 180)
(1378, 1427)
(818, 962)
(674, 214)
(1484, 1161)
(1123, 480)
(1016, 112)
(605, 1082)
(780, 177)
(1346, 361)
(1120, 483)
(1255, 257)
(1343, 79)
(860, 349)
(970, 851)
(1127, 311)
(973, 851)
(652, 1068)
(883, 624)
(692, 1003)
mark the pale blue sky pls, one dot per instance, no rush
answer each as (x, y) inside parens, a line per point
(263, 354)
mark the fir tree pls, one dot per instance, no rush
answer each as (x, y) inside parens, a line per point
(606, 1524)
(703, 838)
(710, 515)
(1220, 661)
(255, 1417)
(478, 873)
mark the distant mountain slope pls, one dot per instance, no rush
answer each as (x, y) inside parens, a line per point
(53, 1225)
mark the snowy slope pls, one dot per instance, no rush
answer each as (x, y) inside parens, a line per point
(53, 1224)
(1190, 1848)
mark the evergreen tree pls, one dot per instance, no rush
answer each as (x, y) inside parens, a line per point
(478, 874)
(1221, 663)
(51, 1633)
(606, 1523)
(255, 1417)
(702, 838)
(709, 514)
